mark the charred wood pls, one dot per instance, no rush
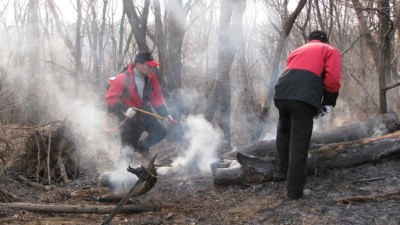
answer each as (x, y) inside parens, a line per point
(252, 169)
(378, 125)
(147, 180)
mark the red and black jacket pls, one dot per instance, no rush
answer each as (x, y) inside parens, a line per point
(312, 75)
(119, 100)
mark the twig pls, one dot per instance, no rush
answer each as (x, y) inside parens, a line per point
(60, 163)
(48, 159)
(370, 179)
(33, 184)
(38, 158)
(29, 128)
(364, 198)
(61, 166)
(10, 197)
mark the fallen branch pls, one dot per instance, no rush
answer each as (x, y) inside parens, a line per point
(370, 179)
(7, 196)
(33, 184)
(147, 180)
(87, 209)
(365, 198)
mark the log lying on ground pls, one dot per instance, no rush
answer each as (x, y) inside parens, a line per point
(377, 125)
(380, 124)
(251, 169)
(87, 209)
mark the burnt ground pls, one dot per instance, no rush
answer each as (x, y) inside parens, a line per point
(196, 200)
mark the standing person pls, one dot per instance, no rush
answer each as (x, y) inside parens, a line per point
(144, 92)
(308, 86)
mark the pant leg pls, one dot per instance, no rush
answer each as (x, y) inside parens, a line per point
(130, 132)
(301, 129)
(282, 137)
(156, 132)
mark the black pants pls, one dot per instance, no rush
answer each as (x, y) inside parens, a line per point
(133, 128)
(292, 142)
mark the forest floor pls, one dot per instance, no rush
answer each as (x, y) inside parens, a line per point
(197, 200)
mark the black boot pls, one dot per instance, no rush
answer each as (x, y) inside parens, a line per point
(143, 150)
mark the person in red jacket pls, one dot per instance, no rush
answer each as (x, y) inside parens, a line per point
(144, 92)
(308, 86)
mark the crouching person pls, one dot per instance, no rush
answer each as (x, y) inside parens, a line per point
(138, 88)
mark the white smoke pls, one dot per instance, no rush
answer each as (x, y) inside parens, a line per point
(204, 140)
(119, 179)
(100, 151)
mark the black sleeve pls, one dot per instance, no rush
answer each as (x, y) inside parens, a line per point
(162, 110)
(330, 98)
(120, 107)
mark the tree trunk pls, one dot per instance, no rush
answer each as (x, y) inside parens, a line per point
(380, 51)
(31, 81)
(248, 95)
(283, 34)
(176, 33)
(78, 48)
(138, 25)
(384, 62)
(221, 96)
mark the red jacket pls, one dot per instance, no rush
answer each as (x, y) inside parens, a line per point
(312, 74)
(117, 101)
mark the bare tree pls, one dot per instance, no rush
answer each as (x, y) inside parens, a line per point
(78, 47)
(75, 51)
(380, 49)
(33, 107)
(176, 33)
(221, 96)
(138, 24)
(247, 92)
(287, 25)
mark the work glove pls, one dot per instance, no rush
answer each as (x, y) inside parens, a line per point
(171, 120)
(326, 110)
(130, 112)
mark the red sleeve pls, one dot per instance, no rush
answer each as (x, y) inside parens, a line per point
(333, 70)
(115, 92)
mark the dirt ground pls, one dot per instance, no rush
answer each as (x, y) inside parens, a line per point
(197, 200)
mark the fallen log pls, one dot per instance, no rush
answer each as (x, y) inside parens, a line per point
(252, 169)
(378, 125)
(86, 209)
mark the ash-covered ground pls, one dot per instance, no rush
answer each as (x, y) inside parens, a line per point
(197, 200)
